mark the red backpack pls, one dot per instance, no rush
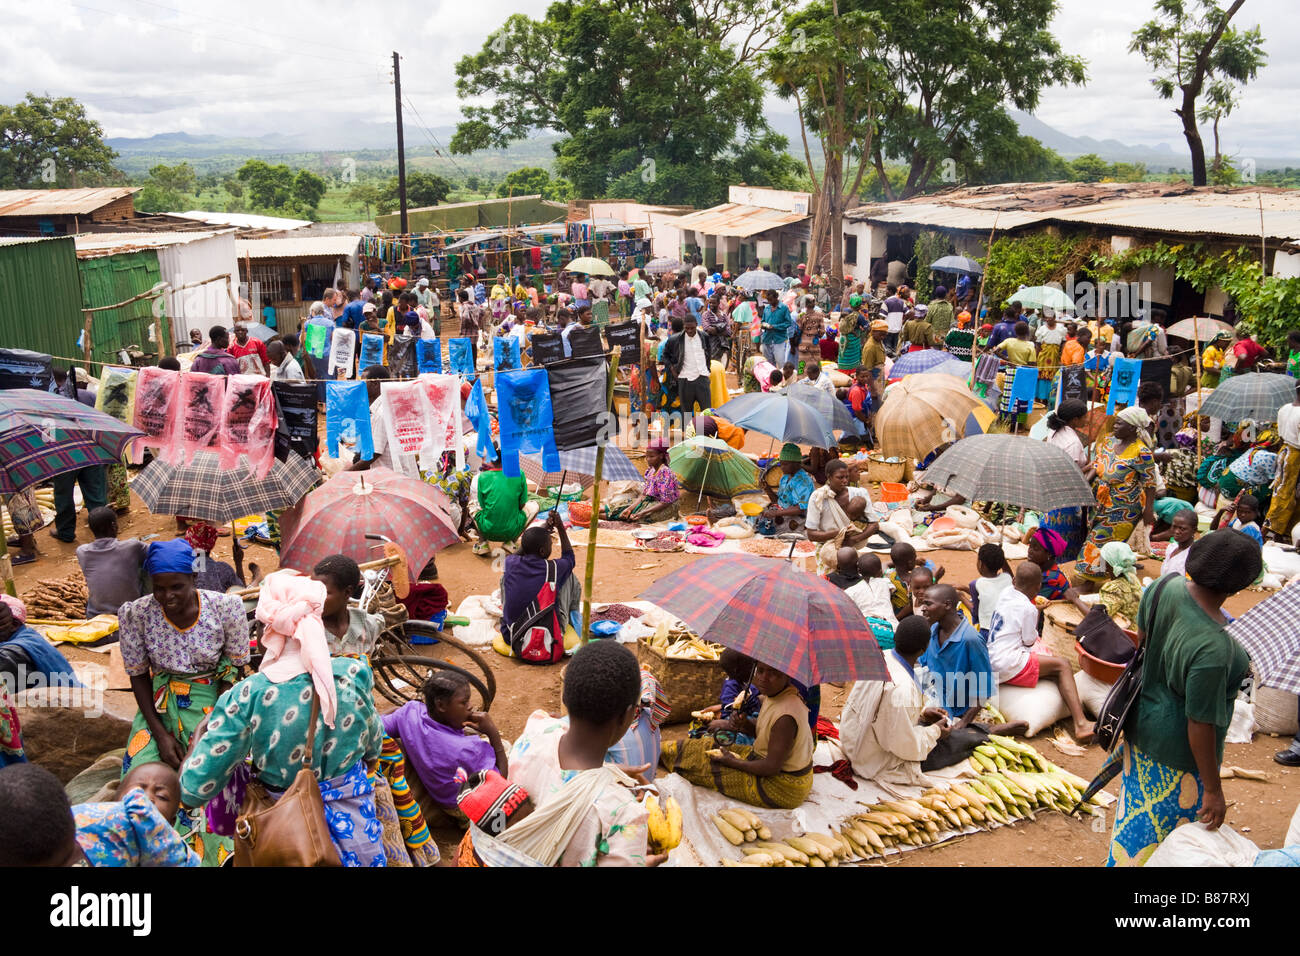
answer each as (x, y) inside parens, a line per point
(537, 636)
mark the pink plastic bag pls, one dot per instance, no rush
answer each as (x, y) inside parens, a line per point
(407, 417)
(201, 398)
(443, 393)
(248, 424)
(157, 411)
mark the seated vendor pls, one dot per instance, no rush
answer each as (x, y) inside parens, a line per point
(776, 771)
(26, 658)
(525, 576)
(499, 506)
(1121, 593)
(110, 566)
(789, 505)
(836, 516)
(738, 702)
(886, 729)
(660, 491)
(711, 426)
(1012, 635)
(960, 676)
(349, 631)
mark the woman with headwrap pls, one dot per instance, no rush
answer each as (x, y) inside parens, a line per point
(1122, 474)
(1173, 744)
(852, 336)
(266, 717)
(182, 647)
(1046, 549)
(1065, 433)
(1122, 592)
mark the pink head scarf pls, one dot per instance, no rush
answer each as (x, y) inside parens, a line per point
(290, 606)
(16, 607)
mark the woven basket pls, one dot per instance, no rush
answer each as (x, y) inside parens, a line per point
(1059, 620)
(880, 470)
(689, 685)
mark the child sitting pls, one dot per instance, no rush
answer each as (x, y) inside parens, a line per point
(1245, 515)
(902, 557)
(1182, 534)
(872, 593)
(660, 491)
(846, 573)
(739, 702)
(111, 567)
(776, 771)
(564, 768)
(432, 735)
(1012, 634)
(995, 577)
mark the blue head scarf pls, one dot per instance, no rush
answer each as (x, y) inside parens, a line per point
(169, 557)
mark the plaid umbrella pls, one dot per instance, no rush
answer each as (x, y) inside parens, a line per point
(921, 413)
(662, 265)
(760, 280)
(1013, 470)
(337, 516)
(910, 363)
(818, 635)
(781, 417)
(580, 463)
(205, 490)
(1251, 395)
(712, 467)
(43, 435)
(830, 407)
(1270, 633)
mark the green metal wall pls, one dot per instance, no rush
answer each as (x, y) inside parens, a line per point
(488, 214)
(115, 278)
(40, 296)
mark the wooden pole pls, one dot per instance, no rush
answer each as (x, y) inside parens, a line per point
(85, 341)
(1196, 349)
(401, 148)
(979, 301)
(592, 531)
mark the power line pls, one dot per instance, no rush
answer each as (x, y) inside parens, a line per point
(439, 149)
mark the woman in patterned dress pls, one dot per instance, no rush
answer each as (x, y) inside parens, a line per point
(1123, 474)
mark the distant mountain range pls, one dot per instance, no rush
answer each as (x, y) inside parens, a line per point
(375, 144)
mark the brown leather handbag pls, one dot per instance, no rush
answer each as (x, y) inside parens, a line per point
(291, 831)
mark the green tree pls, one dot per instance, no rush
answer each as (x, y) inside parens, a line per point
(1089, 168)
(309, 189)
(49, 141)
(823, 60)
(533, 180)
(472, 183)
(1188, 44)
(233, 186)
(179, 178)
(269, 187)
(951, 67)
(365, 196)
(655, 100)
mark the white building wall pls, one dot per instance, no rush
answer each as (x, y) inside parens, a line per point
(207, 305)
(786, 199)
(1286, 265)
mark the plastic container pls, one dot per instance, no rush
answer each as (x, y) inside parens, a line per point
(696, 521)
(1096, 667)
(606, 629)
(892, 493)
(751, 509)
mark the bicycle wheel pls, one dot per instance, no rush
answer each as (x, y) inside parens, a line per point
(400, 677)
(448, 648)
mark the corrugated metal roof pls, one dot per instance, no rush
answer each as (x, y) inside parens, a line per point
(291, 247)
(1234, 214)
(736, 219)
(59, 202)
(91, 244)
(242, 220)
(944, 216)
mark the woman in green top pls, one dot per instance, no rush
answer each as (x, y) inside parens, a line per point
(1173, 745)
(853, 336)
(499, 506)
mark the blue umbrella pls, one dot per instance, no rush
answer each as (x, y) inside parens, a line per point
(957, 264)
(830, 407)
(954, 367)
(782, 418)
(760, 280)
(926, 360)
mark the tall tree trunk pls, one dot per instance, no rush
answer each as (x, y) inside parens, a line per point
(1193, 136)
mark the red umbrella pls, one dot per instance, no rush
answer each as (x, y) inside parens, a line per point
(337, 516)
(791, 620)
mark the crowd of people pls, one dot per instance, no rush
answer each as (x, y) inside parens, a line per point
(225, 711)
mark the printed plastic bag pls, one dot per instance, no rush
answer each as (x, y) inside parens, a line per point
(525, 419)
(428, 356)
(248, 424)
(505, 353)
(461, 355)
(446, 429)
(372, 350)
(343, 345)
(401, 356)
(347, 420)
(316, 337)
(202, 397)
(116, 394)
(157, 411)
(406, 418)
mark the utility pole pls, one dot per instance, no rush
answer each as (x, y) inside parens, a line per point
(401, 146)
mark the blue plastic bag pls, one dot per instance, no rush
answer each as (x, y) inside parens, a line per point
(347, 419)
(428, 355)
(372, 350)
(461, 354)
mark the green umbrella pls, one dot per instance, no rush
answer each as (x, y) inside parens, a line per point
(712, 466)
(590, 265)
(1042, 297)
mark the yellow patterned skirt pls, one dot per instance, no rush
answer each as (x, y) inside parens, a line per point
(1154, 799)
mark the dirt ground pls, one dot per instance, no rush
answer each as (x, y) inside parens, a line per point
(67, 742)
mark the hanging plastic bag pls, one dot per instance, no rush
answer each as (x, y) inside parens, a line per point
(446, 428)
(157, 411)
(116, 394)
(248, 424)
(428, 356)
(315, 338)
(372, 350)
(525, 419)
(505, 353)
(347, 420)
(343, 344)
(202, 397)
(401, 356)
(406, 418)
(461, 355)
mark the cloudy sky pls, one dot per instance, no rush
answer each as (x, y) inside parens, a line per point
(251, 67)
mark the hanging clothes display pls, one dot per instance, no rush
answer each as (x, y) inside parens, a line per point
(525, 419)
(296, 428)
(202, 397)
(347, 420)
(1019, 397)
(248, 423)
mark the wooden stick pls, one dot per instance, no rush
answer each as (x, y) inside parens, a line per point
(592, 530)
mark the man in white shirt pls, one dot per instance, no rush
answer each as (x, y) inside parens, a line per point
(698, 272)
(284, 367)
(687, 356)
(1012, 634)
(817, 379)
